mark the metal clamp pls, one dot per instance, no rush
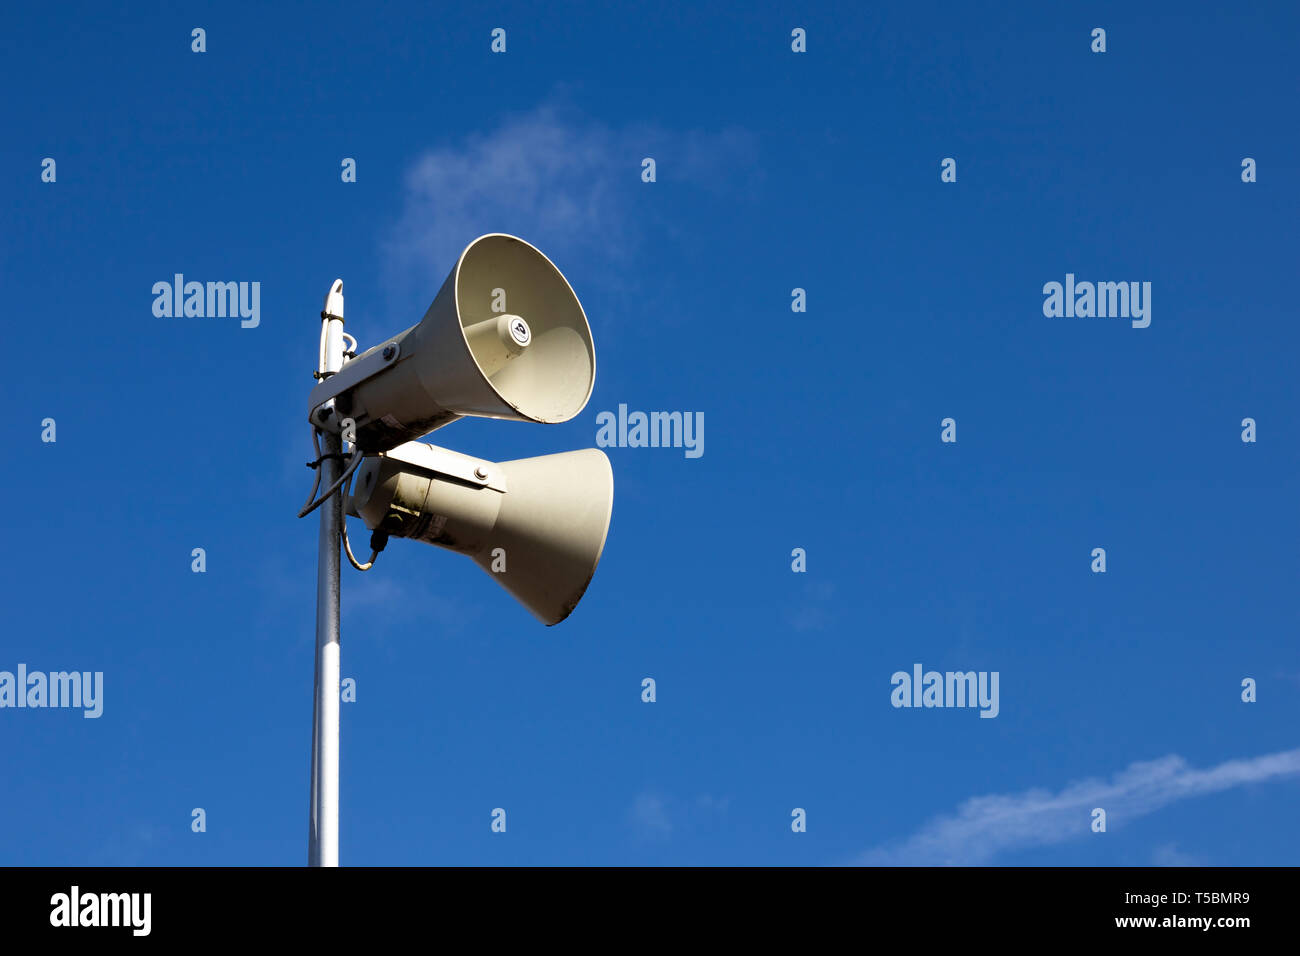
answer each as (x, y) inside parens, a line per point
(351, 375)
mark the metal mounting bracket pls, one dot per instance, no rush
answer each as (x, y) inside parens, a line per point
(353, 373)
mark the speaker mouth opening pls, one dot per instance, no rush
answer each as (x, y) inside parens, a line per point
(552, 378)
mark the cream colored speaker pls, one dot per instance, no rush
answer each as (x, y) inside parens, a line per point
(505, 338)
(537, 526)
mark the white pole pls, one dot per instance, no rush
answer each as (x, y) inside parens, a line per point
(323, 844)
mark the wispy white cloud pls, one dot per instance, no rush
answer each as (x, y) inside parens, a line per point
(1169, 854)
(656, 816)
(812, 613)
(129, 845)
(649, 814)
(564, 182)
(536, 176)
(392, 608)
(985, 826)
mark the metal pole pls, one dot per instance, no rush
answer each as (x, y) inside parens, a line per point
(323, 843)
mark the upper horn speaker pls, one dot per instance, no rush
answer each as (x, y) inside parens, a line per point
(505, 338)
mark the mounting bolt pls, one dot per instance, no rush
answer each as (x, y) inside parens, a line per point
(480, 473)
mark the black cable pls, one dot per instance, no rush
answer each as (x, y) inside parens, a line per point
(315, 440)
(353, 465)
(378, 541)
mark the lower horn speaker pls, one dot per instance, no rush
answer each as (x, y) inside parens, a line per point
(536, 525)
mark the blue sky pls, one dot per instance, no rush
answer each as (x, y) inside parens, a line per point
(775, 171)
